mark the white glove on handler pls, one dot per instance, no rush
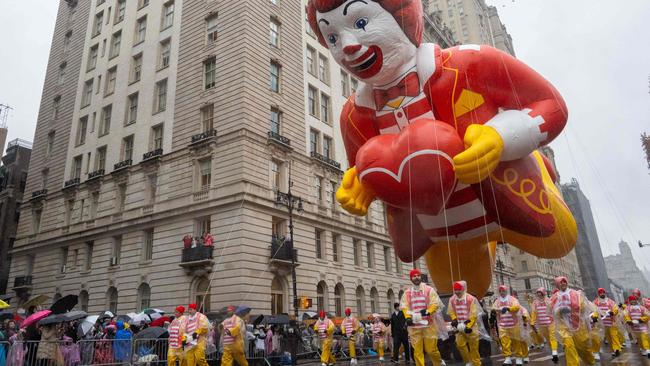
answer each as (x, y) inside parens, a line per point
(417, 317)
(635, 322)
(461, 327)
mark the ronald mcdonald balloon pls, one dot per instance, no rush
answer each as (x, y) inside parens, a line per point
(447, 139)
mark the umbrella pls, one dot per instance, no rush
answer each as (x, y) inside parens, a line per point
(309, 315)
(124, 318)
(140, 318)
(32, 319)
(74, 315)
(106, 314)
(35, 301)
(6, 297)
(277, 319)
(160, 321)
(154, 313)
(3, 305)
(6, 315)
(242, 310)
(152, 333)
(86, 325)
(257, 319)
(52, 319)
(64, 304)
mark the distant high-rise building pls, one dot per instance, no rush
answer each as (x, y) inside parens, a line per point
(588, 251)
(623, 269)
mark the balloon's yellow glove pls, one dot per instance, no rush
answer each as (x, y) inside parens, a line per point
(483, 149)
(353, 196)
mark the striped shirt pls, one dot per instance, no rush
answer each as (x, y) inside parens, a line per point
(174, 330)
(604, 307)
(541, 309)
(636, 312)
(508, 319)
(229, 324)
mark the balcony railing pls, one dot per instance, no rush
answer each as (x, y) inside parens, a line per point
(325, 160)
(23, 281)
(123, 164)
(96, 174)
(204, 135)
(41, 193)
(72, 182)
(281, 251)
(197, 254)
(276, 137)
(152, 154)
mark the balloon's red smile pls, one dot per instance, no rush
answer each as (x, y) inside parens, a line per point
(367, 65)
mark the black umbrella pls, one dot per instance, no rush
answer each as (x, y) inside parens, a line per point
(6, 297)
(124, 318)
(277, 319)
(257, 319)
(152, 333)
(64, 304)
(74, 315)
(6, 315)
(52, 319)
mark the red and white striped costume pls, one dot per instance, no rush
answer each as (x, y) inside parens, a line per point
(636, 312)
(542, 316)
(175, 333)
(462, 306)
(230, 323)
(322, 326)
(418, 299)
(509, 319)
(604, 307)
(378, 330)
(350, 324)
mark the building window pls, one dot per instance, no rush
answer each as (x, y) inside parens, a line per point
(277, 296)
(323, 69)
(202, 295)
(398, 265)
(374, 300)
(361, 301)
(62, 68)
(50, 144)
(278, 176)
(311, 60)
(313, 140)
(275, 120)
(312, 101)
(274, 79)
(132, 109)
(116, 42)
(324, 108)
(152, 188)
(100, 158)
(165, 52)
(81, 130)
(83, 300)
(147, 245)
(97, 25)
(120, 197)
(142, 3)
(205, 168)
(333, 194)
(207, 117)
(210, 72)
(116, 250)
(63, 260)
(94, 205)
(66, 41)
(161, 96)
(92, 57)
(211, 25)
(279, 228)
(319, 243)
(111, 300)
(76, 167)
(319, 189)
(120, 11)
(136, 68)
(111, 79)
(157, 137)
(144, 296)
(370, 252)
(345, 84)
(327, 147)
(354, 84)
(356, 249)
(56, 103)
(321, 296)
(387, 259)
(141, 30)
(44, 175)
(87, 95)
(339, 299)
(168, 15)
(36, 220)
(127, 148)
(336, 247)
(524, 266)
(274, 32)
(308, 26)
(69, 206)
(105, 122)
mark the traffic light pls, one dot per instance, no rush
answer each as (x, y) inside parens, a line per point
(305, 303)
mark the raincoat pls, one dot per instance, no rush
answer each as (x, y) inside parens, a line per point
(325, 330)
(464, 311)
(122, 343)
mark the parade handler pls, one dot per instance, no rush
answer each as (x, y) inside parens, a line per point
(464, 311)
(637, 316)
(541, 320)
(233, 339)
(325, 329)
(349, 327)
(507, 309)
(176, 340)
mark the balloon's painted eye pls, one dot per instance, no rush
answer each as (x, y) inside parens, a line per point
(332, 38)
(361, 23)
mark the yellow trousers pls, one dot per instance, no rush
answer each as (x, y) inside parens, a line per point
(548, 333)
(174, 355)
(326, 355)
(642, 339)
(196, 355)
(537, 338)
(467, 345)
(577, 345)
(522, 349)
(510, 343)
(379, 347)
(352, 348)
(596, 341)
(612, 335)
(233, 352)
(425, 341)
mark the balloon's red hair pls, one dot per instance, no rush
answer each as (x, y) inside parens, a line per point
(407, 13)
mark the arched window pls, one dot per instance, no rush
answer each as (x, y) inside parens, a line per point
(390, 296)
(144, 296)
(339, 298)
(321, 296)
(202, 295)
(278, 296)
(401, 293)
(111, 300)
(361, 301)
(83, 300)
(374, 300)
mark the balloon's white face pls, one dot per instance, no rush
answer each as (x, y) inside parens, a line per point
(366, 40)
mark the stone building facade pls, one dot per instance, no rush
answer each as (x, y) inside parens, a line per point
(622, 268)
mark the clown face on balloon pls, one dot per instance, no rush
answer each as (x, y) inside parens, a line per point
(447, 139)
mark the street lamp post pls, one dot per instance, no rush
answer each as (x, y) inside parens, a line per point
(641, 245)
(292, 203)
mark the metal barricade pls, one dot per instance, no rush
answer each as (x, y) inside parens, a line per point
(148, 352)
(105, 352)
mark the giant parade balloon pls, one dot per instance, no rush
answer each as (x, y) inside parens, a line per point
(447, 139)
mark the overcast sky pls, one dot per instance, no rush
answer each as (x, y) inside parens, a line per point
(593, 51)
